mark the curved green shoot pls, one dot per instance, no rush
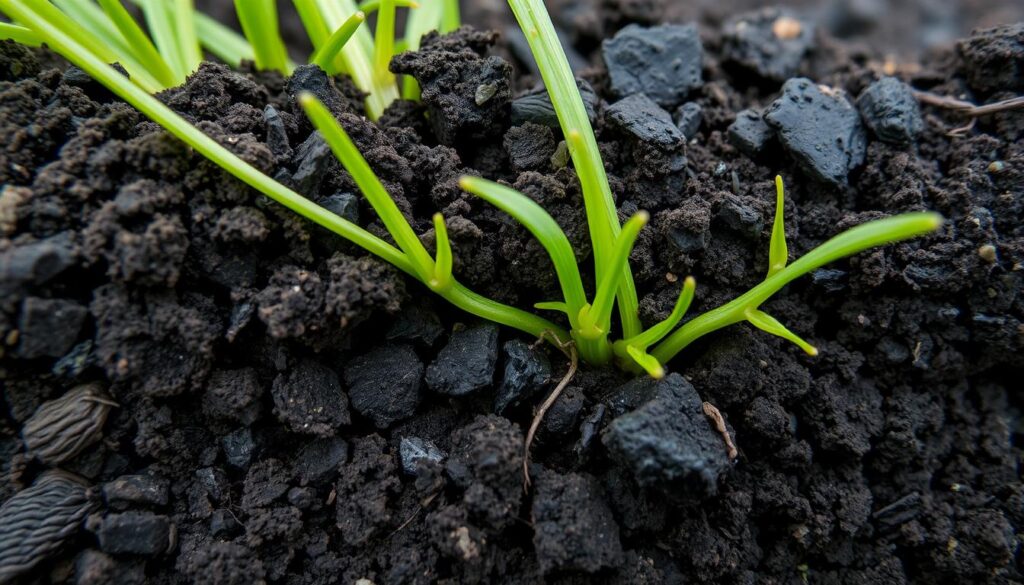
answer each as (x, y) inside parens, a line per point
(745, 307)
(443, 258)
(602, 218)
(595, 319)
(19, 34)
(259, 23)
(325, 56)
(778, 251)
(635, 348)
(144, 49)
(384, 43)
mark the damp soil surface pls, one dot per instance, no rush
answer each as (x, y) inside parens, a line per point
(204, 388)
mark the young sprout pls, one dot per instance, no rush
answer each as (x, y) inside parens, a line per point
(259, 23)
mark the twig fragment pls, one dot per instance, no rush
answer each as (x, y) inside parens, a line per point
(712, 412)
(570, 350)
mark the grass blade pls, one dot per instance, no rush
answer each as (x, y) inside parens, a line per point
(141, 45)
(325, 56)
(19, 34)
(778, 251)
(259, 23)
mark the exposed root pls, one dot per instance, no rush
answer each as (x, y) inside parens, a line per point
(569, 349)
(713, 413)
(967, 108)
(423, 506)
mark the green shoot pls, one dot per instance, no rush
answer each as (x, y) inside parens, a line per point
(384, 43)
(443, 264)
(778, 252)
(19, 34)
(222, 42)
(259, 23)
(451, 18)
(325, 56)
(428, 17)
(595, 320)
(145, 51)
(370, 6)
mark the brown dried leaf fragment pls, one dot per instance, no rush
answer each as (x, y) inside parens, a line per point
(62, 428)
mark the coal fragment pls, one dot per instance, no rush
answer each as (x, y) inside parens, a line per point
(663, 62)
(62, 428)
(49, 327)
(739, 216)
(574, 529)
(134, 532)
(898, 513)
(312, 79)
(820, 129)
(529, 147)
(535, 106)
(37, 262)
(384, 384)
(136, 490)
(233, 395)
(318, 462)
(527, 370)
(890, 110)
(668, 443)
(344, 205)
(75, 362)
(688, 227)
(277, 133)
(413, 450)
(829, 280)
(590, 428)
(37, 521)
(994, 58)
(417, 324)
(750, 133)
(644, 120)
(564, 414)
(312, 160)
(688, 118)
(770, 43)
(467, 363)
(238, 447)
(223, 524)
(308, 398)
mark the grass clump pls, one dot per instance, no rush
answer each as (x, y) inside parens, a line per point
(343, 46)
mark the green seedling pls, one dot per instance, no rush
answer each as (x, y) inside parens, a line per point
(590, 333)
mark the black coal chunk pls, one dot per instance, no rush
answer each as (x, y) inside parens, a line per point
(820, 129)
(574, 529)
(308, 398)
(312, 159)
(137, 533)
(667, 442)
(418, 324)
(527, 370)
(36, 262)
(663, 62)
(133, 490)
(738, 215)
(994, 58)
(466, 93)
(318, 462)
(277, 133)
(413, 450)
(530, 147)
(646, 121)
(564, 414)
(313, 79)
(770, 43)
(49, 327)
(890, 110)
(238, 447)
(535, 106)
(750, 133)
(344, 205)
(467, 363)
(384, 384)
(688, 118)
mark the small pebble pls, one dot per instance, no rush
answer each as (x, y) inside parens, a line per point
(988, 253)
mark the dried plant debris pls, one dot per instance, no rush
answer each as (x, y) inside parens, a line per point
(62, 428)
(38, 520)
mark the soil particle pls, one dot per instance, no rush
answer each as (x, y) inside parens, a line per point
(277, 134)
(292, 303)
(308, 398)
(751, 134)
(365, 491)
(686, 229)
(467, 363)
(224, 563)
(49, 327)
(134, 532)
(265, 482)
(645, 121)
(535, 106)
(771, 43)
(890, 111)
(667, 442)
(573, 527)
(453, 72)
(234, 395)
(527, 371)
(35, 263)
(530, 147)
(664, 62)
(688, 118)
(799, 116)
(319, 461)
(357, 287)
(415, 452)
(384, 385)
(93, 567)
(994, 58)
(486, 461)
(136, 490)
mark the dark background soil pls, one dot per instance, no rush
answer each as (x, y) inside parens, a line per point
(275, 384)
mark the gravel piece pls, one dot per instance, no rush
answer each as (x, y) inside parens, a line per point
(36, 521)
(467, 363)
(49, 327)
(344, 205)
(644, 120)
(770, 43)
(308, 398)
(527, 370)
(574, 529)
(688, 118)
(667, 443)
(277, 133)
(821, 130)
(312, 160)
(134, 490)
(134, 532)
(750, 133)
(564, 415)
(238, 447)
(36, 262)
(890, 110)
(739, 216)
(535, 106)
(412, 450)
(663, 62)
(62, 428)
(384, 385)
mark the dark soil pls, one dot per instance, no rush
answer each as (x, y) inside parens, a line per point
(290, 410)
